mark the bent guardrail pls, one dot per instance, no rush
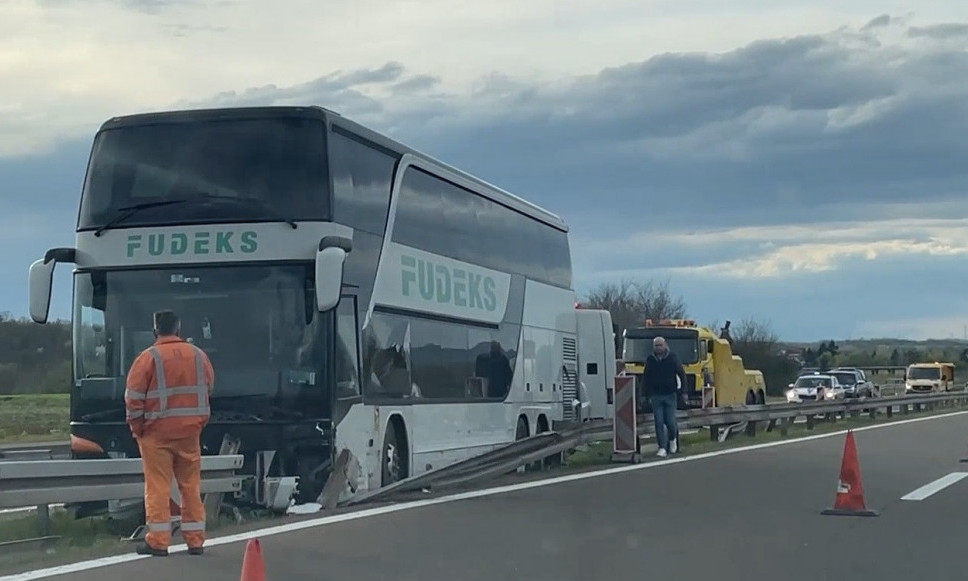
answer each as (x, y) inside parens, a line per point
(777, 415)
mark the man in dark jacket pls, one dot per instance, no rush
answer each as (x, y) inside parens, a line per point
(663, 380)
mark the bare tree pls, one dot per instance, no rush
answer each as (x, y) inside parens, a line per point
(754, 335)
(758, 344)
(631, 303)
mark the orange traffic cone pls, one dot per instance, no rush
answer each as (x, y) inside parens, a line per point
(253, 567)
(850, 490)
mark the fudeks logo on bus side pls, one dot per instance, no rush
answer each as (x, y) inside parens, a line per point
(196, 243)
(445, 285)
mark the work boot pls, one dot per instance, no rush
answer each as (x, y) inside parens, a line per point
(146, 549)
(196, 550)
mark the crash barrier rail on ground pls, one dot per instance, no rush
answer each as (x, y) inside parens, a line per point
(892, 387)
(721, 422)
(521, 452)
(42, 483)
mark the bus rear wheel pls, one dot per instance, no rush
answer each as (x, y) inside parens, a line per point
(522, 431)
(394, 454)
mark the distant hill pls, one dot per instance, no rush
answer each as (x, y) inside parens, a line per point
(34, 358)
(887, 343)
(881, 352)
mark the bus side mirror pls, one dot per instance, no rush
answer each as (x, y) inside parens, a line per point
(41, 281)
(330, 257)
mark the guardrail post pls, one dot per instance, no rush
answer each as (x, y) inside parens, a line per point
(751, 428)
(890, 411)
(810, 421)
(43, 515)
(714, 433)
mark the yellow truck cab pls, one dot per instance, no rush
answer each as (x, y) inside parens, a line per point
(708, 361)
(929, 377)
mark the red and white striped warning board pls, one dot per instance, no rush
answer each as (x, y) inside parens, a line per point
(625, 440)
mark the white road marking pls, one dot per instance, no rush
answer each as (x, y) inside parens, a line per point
(366, 513)
(934, 487)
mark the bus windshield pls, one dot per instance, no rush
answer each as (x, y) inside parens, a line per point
(257, 324)
(260, 163)
(686, 347)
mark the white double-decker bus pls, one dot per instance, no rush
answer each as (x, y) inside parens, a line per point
(352, 293)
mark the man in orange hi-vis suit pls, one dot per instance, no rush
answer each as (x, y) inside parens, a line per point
(167, 400)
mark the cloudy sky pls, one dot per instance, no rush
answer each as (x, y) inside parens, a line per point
(805, 163)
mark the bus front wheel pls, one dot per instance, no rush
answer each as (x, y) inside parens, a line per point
(394, 454)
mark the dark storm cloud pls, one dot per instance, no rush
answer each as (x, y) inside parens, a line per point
(341, 91)
(813, 127)
(949, 30)
(416, 84)
(853, 125)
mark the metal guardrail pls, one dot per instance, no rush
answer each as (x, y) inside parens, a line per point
(523, 452)
(530, 449)
(41, 482)
(55, 448)
(26, 455)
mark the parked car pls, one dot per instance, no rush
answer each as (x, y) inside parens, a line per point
(815, 386)
(855, 382)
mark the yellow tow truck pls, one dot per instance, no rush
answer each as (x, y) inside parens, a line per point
(708, 361)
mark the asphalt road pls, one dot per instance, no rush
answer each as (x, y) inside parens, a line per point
(747, 515)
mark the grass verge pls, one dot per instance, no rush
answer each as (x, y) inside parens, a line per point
(34, 418)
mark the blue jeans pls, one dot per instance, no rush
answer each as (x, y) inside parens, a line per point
(664, 412)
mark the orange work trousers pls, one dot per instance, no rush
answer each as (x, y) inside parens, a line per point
(162, 460)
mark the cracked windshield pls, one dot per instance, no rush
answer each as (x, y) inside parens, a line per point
(363, 289)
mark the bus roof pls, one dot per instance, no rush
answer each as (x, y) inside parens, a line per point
(189, 115)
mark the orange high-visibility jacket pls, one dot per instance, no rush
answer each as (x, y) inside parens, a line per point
(168, 390)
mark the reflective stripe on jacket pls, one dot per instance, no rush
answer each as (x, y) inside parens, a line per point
(168, 389)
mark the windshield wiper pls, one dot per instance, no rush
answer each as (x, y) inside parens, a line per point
(260, 204)
(103, 414)
(128, 211)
